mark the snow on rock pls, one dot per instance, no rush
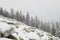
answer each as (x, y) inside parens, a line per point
(5, 39)
(22, 32)
(4, 27)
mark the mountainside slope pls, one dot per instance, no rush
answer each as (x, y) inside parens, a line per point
(14, 30)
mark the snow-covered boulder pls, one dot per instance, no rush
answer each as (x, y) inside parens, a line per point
(5, 39)
(5, 29)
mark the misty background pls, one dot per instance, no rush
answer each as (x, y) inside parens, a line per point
(41, 14)
(44, 9)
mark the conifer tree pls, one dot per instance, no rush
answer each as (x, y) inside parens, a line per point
(12, 14)
(27, 19)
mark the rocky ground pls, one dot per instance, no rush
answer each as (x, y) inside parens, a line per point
(11, 29)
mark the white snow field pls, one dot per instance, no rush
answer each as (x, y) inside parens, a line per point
(21, 31)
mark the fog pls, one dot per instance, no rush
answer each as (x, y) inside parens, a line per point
(44, 9)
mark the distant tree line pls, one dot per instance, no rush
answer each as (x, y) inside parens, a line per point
(52, 27)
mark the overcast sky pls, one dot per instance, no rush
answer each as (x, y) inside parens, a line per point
(44, 9)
